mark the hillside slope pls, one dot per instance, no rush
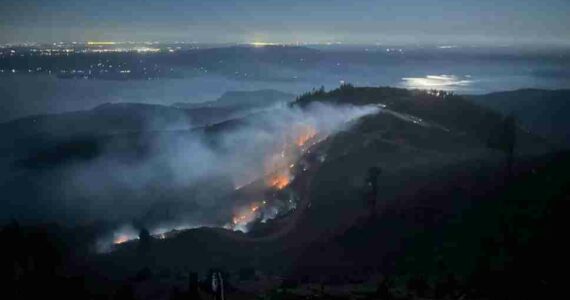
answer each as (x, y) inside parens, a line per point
(544, 112)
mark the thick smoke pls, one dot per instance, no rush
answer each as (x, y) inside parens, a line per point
(182, 179)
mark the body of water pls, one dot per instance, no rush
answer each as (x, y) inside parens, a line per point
(22, 95)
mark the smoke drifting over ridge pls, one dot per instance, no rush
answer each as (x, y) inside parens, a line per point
(184, 177)
(200, 172)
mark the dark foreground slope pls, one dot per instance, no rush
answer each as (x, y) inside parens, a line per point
(542, 111)
(465, 232)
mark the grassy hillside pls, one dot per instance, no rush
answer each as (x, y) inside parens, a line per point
(449, 110)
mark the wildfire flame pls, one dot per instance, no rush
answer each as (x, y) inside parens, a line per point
(279, 181)
(246, 216)
(306, 134)
(278, 166)
(123, 238)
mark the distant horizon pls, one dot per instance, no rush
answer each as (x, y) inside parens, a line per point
(436, 44)
(392, 22)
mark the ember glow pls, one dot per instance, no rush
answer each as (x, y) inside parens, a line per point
(279, 181)
(122, 238)
(278, 175)
(279, 166)
(279, 172)
(246, 216)
(128, 233)
(267, 164)
(306, 133)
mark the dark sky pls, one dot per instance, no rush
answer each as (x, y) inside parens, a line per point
(313, 21)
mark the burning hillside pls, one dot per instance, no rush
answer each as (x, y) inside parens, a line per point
(123, 238)
(278, 167)
(279, 173)
(246, 216)
(262, 160)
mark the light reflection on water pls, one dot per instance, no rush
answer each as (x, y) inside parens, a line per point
(440, 82)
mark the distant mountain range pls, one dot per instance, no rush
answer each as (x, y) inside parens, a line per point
(243, 100)
(113, 118)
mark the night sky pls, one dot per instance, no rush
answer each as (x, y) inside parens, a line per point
(309, 21)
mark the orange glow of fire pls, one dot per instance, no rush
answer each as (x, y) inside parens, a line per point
(306, 133)
(278, 166)
(247, 215)
(121, 239)
(279, 181)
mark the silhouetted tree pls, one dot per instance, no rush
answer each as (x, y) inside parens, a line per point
(193, 286)
(372, 185)
(504, 138)
(510, 137)
(346, 87)
(145, 240)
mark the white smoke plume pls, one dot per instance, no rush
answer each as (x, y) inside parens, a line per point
(184, 179)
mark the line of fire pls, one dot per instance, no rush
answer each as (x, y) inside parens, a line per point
(270, 195)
